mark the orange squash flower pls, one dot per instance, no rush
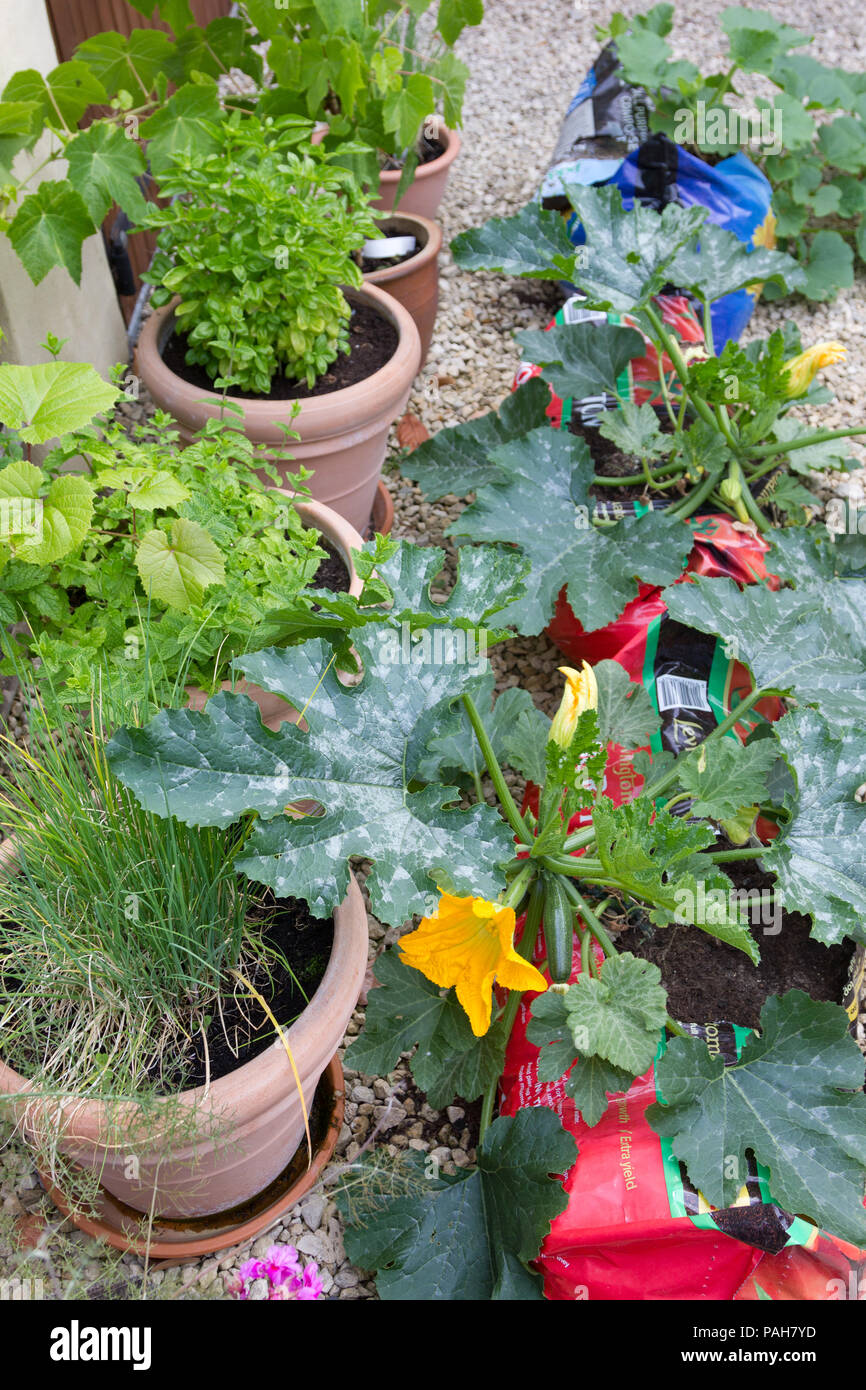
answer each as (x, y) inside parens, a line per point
(468, 943)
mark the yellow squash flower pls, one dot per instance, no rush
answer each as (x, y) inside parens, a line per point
(580, 694)
(800, 370)
(469, 943)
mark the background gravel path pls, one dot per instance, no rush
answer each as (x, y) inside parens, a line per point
(527, 61)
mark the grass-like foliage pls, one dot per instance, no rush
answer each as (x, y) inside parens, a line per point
(120, 928)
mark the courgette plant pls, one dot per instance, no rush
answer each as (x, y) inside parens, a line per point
(730, 441)
(815, 165)
(393, 763)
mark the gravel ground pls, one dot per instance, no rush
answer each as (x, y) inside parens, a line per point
(526, 62)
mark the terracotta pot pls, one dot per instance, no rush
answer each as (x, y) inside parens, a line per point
(424, 193)
(251, 1120)
(343, 434)
(382, 519)
(175, 1242)
(415, 283)
(344, 538)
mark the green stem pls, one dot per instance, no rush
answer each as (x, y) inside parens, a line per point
(515, 894)
(672, 349)
(727, 856)
(629, 479)
(509, 1014)
(573, 866)
(695, 498)
(719, 731)
(821, 437)
(506, 800)
(754, 511)
(578, 838)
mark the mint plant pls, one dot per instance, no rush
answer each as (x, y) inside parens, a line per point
(258, 241)
(815, 165)
(155, 565)
(470, 871)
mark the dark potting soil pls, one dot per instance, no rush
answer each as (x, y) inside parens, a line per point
(332, 572)
(302, 946)
(708, 981)
(369, 263)
(611, 462)
(372, 343)
(428, 150)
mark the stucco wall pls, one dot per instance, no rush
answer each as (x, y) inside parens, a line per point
(89, 317)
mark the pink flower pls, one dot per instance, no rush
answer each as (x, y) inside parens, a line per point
(286, 1279)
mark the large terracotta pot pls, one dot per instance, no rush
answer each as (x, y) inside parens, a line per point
(415, 283)
(249, 1122)
(425, 192)
(343, 435)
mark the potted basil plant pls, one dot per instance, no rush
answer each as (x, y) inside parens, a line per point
(260, 302)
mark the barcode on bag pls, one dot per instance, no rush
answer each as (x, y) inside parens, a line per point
(678, 692)
(573, 313)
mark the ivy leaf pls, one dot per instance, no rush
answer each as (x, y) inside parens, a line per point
(625, 712)
(470, 1236)
(533, 506)
(406, 1010)
(49, 229)
(628, 254)
(655, 857)
(818, 856)
(103, 167)
(178, 570)
(581, 359)
(183, 126)
(591, 1078)
(212, 767)
(616, 1017)
(52, 398)
(725, 775)
(533, 244)
(788, 641)
(794, 1098)
(215, 50)
(457, 459)
(717, 263)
